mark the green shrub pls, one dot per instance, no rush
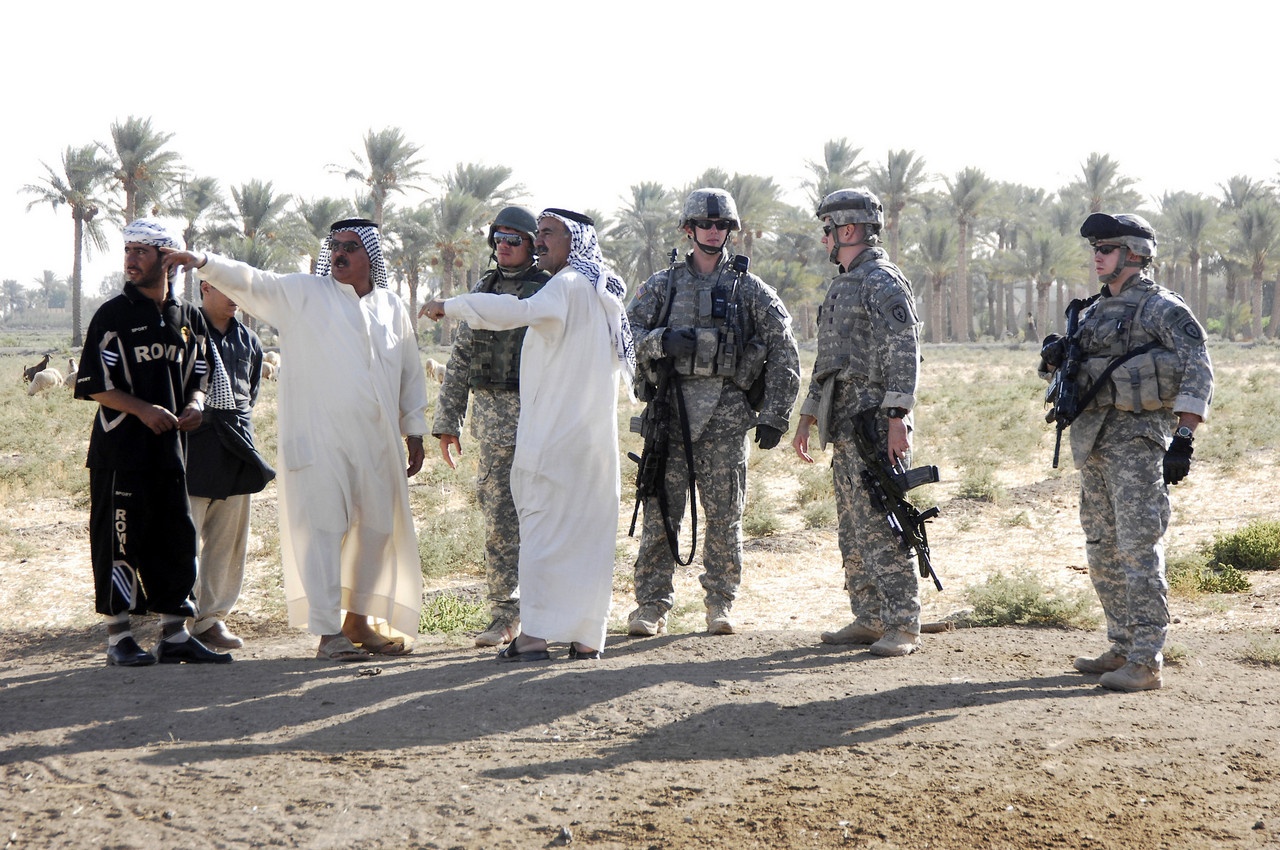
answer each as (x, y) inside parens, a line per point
(820, 514)
(980, 485)
(1023, 599)
(1254, 547)
(1265, 651)
(448, 613)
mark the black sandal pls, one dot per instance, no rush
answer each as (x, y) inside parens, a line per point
(576, 654)
(510, 653)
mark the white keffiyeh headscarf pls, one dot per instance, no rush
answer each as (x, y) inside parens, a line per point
(369, 237)
(148, 231)
(586, 259)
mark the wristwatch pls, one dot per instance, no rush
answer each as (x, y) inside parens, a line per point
(1183, 431)
(896, 412)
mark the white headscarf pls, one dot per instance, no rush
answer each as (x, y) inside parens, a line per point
(369, 237)
(586, 259)
(148, 231)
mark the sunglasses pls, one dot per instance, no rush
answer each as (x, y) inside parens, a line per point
(827, 228)
(345, 246)
(708, 224)
(1104, 250)
(508, 238)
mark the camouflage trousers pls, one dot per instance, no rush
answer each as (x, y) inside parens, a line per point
(880, 578)
(1124, 511)
(502, 530)
(720, 465)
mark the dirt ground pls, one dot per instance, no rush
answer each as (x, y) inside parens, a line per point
(769, 739)
(986, 738)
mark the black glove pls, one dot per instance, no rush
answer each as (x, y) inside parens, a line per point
(767, 436)
(1052, 352)
(681, 342)
(1177, 460)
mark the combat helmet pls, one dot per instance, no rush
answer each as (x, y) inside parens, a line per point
(1132, 233)
(710, 204)
(520, 219)
(852, 206)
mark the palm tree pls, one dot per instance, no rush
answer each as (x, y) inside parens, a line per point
(411, 251)
(645, 228)
(839, 169)
(1258, 235)
(389, 166)
(1189, 218)
(79, 185)
(936, 253)
(487, 183)
(1239, 190)
(198, 199)
(259, 208)
(16, 298)
(897, 184)
(759, 201)
(1102, 185)
(143, 169)
(969, 192)
(456, 215)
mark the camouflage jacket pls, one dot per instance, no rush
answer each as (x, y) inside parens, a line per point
(868, 345)
(716, 405)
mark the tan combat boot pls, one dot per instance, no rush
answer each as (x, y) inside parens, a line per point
(1132, 677)
(896, 643)
(1104, 663)
(646, 621)
(856, 633)
(718, 620)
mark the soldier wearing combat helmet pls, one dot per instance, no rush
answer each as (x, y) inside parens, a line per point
(485, 365)
(1144, 383)
(868, 357)
(726, 336)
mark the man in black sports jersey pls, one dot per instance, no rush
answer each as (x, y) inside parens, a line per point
(144, 363)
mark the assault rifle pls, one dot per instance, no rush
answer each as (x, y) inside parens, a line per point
(655, 427)
(1064, 391)
(887, 487)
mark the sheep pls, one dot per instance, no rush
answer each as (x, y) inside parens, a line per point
(436, 370)
(72, 372)
(272, 357)
(43, 380)
(270, 370)
(31, 371)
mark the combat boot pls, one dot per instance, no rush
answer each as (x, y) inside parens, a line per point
(718, 621)
(855, 633)
(499, 631)
(896, 643)
(647, 621)
(1104, 663)
(1133, 677)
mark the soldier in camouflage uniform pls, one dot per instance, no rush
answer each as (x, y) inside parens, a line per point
(722, 330)
(486, 366)
(868, 360)
(1145, 352)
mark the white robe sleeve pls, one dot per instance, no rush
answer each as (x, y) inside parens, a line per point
(544, 312)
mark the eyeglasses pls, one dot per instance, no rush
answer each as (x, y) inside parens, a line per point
(1104, 250)
(345, 246)
(827, 228)
(708, 224)
(508, 238)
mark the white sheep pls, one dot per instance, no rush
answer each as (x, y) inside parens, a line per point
(272, 357)
(436, 369)
(270, 370)
(43, 380)
(72, 372)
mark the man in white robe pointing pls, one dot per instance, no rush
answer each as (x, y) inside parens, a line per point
(564, 477)
(354, 387)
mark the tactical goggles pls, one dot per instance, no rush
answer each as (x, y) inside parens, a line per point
(708, 224)
(1105, 250)
(513, 239)
(344, 246)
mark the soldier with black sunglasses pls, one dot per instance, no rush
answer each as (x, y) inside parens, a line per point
(726, 336)
(1144, 382)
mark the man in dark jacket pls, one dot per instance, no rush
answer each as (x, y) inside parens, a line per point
(223, 469)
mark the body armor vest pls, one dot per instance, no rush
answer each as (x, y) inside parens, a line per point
(712, 308)
(1111, 329)
(495, 355)
(844, 325)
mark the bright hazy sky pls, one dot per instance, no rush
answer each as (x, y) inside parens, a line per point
(584, 99)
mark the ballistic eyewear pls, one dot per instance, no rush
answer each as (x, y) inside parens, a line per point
(708, 224)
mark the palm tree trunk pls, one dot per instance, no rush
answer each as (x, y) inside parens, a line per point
(1255, 302)
(77, 331)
